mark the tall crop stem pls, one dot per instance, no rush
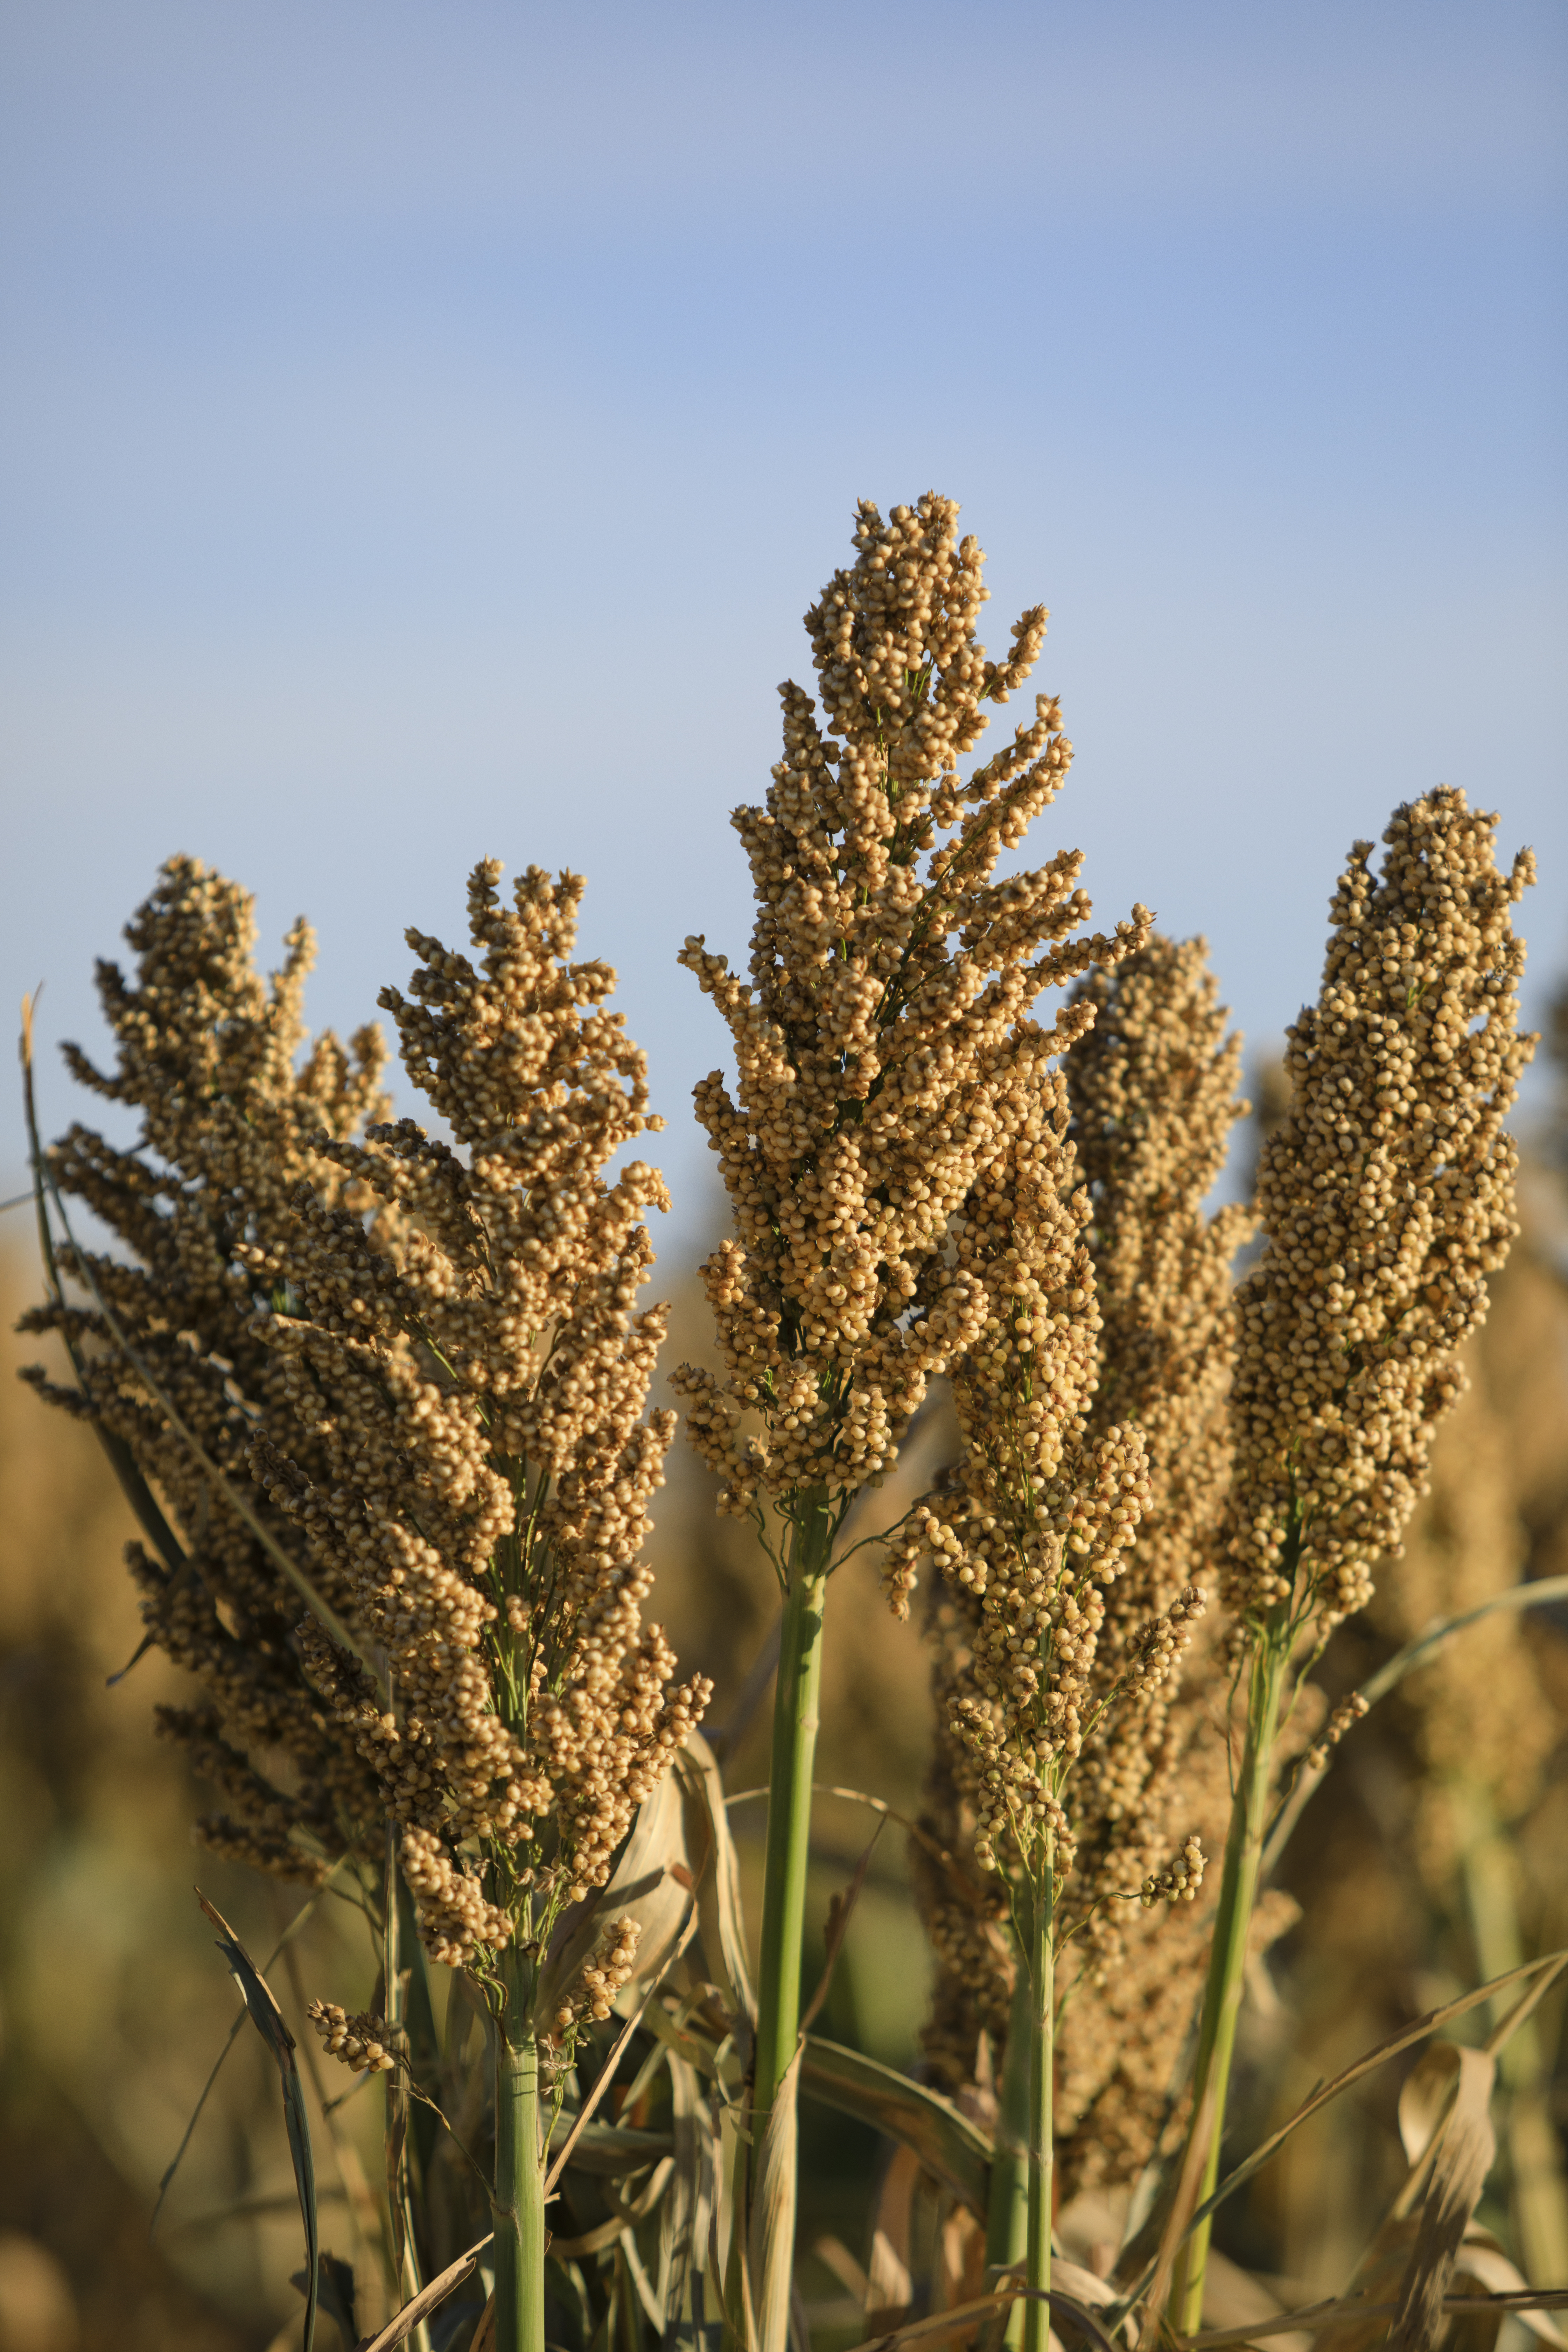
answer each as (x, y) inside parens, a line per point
(519, 2169)
(1007, 2210)
(796, 1700)
(1041, 1959)
(1227, 1956)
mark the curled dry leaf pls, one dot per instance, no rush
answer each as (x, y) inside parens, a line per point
(1463, 2160)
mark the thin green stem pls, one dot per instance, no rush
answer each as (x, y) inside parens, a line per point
(1227, 1956)
(1042, 2130)
(1007, 2209)
(797, 1696)
(519, 2236)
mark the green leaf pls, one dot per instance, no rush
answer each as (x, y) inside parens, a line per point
(268, 2020)
(952, 2150)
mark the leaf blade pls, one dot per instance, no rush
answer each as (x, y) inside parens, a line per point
(268, 2021)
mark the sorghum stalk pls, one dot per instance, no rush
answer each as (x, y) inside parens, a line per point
(427, 1356)
(1151, 1093)
(1386, 1197)
(796, 1712)
(1042, 2066)
(1006, 2220)
(886, 1014)
(1227, 1954)
(1034, 1523)
(520, 2237)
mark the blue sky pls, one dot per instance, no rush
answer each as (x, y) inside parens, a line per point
(425, 428)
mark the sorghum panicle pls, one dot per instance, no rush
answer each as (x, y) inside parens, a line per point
(886, 1018)
(1386, 1195)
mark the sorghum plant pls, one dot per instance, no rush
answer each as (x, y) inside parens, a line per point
(1148, 1103)
(426, 1355)
(380, 1401)
(1385, 1196)
(885, 1055)
(1035, 1524)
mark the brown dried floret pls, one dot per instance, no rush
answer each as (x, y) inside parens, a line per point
(364, 2043)
(607, 1968)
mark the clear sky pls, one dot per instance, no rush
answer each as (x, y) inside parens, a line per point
(425, 426)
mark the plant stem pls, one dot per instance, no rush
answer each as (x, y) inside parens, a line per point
(402, 2250)
(519, 2167)
(795, 1704)
(1007, 2207)
(1227, 1955)
(1042, 1959)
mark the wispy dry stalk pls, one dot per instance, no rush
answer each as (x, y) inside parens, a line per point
(882, 1041)
(427, 1357)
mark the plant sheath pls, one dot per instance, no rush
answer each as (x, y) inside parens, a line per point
(519, 2235)
(1042, 2065)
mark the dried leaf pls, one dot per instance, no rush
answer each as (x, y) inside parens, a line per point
(1480, 2258)
(954, 2151)
(614, 2149)
(402, 2324)
(1319, 2316)
(770, 2245)
(1408, 2035)
(721, 1922)
(965, 2316)
(889, 2290)
(835, 2256)
(1424, 2097)
(596, 2241)
(1180, 2219)
(1458, 2175)
(678, 2230)
(643, 1887)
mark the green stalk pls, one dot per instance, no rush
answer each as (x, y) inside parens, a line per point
(519, 2167)
(402, 2247)
(1007, 2207)
(797, 1696)
(1227, 1956)
(1042, 1961)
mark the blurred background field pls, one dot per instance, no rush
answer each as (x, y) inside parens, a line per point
(1435, 1853)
